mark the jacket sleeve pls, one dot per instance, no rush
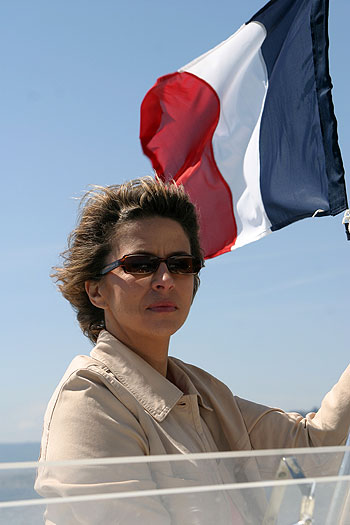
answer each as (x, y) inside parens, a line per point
(274, 428)
(85, 420)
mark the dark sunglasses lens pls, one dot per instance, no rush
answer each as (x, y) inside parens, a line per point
(184, 264)
(140, 264)
(147, 264)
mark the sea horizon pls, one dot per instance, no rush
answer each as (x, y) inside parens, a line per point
(19, 451)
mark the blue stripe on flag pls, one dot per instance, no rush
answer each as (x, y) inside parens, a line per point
(334, 164)
(300, 173)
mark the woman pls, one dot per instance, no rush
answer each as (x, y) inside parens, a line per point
(131, 274)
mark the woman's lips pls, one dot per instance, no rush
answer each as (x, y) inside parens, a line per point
(162, 307)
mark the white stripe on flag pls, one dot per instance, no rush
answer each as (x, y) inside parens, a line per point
(240, 81)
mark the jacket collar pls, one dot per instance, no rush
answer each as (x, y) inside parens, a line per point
(153, 391)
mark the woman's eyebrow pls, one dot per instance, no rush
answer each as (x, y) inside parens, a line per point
(180, 253)
(140, 252)
(144, 252)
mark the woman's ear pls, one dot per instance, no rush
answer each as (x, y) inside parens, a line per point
(93, 289)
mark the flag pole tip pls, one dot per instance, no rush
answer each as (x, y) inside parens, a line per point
(346, 222)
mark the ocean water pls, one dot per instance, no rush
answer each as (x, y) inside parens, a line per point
(19, 485)
(19, 452)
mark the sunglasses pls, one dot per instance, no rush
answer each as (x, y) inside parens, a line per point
(148, 264)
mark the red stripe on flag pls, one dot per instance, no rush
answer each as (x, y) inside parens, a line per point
(179, 115)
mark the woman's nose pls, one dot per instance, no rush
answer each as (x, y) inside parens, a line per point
(163, 278)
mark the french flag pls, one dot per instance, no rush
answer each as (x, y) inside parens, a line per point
(249, 128)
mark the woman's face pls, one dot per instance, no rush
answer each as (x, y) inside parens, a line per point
(139, 307)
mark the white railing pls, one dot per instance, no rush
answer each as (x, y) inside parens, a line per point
(270, 487)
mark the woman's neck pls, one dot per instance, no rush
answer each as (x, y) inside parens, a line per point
(154, 350)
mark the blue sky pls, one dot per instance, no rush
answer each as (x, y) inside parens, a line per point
(270, 320)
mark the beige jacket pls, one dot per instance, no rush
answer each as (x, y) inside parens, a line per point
(115, 404)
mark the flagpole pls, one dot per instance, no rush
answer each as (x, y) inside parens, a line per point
(346, 222)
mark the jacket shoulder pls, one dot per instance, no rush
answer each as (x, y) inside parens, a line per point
(88, 388)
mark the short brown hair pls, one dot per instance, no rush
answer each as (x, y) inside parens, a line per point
(102, 210)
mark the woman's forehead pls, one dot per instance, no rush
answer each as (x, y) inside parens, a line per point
(153, 235)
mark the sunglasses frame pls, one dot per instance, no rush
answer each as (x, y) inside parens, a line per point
(121, 262)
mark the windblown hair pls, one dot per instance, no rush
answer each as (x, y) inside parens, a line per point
(102, 211)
